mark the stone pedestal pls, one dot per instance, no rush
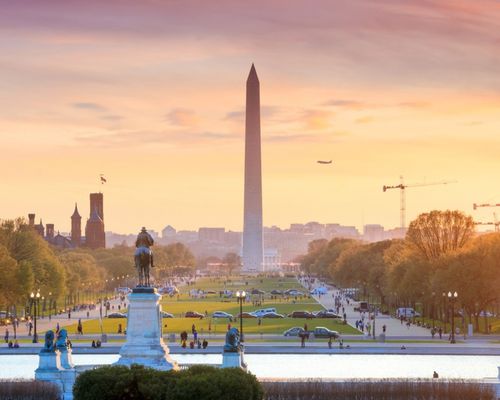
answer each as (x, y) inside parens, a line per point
(233, 360)
(66, 358)
(144, 344)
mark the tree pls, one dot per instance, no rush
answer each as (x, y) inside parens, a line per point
(232, 261)
(439, 232)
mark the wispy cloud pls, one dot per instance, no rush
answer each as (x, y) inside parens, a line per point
(182, 117)
(129, 138)
(316, 119)
(89, 106)
(343, 103)
(365, 120)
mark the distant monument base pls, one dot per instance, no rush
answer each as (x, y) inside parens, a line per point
(233, 360)
(144, 344)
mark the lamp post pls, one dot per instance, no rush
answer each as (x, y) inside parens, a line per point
(453, 298)
(240, 296)
(432, 309)
(50, 306)
(35, 300)
(444, 310)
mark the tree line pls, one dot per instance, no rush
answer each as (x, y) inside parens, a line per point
(441, 253)
(29, 264)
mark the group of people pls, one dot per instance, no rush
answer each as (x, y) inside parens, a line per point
(196, 342)
(12, 344)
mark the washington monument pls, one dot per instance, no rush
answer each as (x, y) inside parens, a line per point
(253, 251)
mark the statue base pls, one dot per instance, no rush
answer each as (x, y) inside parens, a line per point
(233, 360)
(144, 344)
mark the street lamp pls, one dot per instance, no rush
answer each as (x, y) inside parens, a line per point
(50, 305)
(453, 298)
(35, 300)
(444, 311)
(240, 296)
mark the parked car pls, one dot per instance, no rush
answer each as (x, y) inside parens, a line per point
(165, 314)
(246, 315)
(295, 331)
(406, 312)
(117, 315)
(319, 290)
(263, 311)
(193, 314)
(273, 315)
(301, 314)
(257, 291)
(221, 314)
(276, 291)
(322, 332)
(211, 292)
(293, 292)
(326, 314)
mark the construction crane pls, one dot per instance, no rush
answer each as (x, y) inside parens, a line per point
(402, 200)
(495, 223)
(476, 206)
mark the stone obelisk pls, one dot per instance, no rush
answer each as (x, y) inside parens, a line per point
(253, 251)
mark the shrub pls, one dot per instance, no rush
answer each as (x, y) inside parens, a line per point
(138, 382)
(378, 390)
(28, 390)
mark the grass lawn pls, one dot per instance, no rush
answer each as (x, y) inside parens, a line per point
(178, 305)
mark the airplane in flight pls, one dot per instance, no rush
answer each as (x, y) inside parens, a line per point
(324, 162)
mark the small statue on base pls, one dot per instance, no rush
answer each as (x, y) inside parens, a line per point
(232, 341)
(143, 257)
(62, 340)
(49, 342)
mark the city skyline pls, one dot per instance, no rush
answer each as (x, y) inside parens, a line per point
(394, 89)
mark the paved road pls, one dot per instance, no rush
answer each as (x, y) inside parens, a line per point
(393, 325)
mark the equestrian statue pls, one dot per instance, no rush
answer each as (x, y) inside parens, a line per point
(143, 257)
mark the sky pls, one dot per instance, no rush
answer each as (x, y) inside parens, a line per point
(151, 94)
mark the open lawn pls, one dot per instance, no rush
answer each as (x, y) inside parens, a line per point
(179, 305)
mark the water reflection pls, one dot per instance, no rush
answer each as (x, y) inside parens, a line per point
(327, 366)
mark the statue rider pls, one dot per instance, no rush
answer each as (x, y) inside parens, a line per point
(144, 241)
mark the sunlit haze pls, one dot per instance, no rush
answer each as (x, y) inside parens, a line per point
(152, 95)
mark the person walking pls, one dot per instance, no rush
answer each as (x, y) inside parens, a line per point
(80, 327)
(440, 331)
(6, 337)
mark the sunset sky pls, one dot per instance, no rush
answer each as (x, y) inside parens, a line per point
(151, 93)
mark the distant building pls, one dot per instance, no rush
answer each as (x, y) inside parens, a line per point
(94, 229)
(211, 235)
(272, 260)
(373, 233)
(168, 232)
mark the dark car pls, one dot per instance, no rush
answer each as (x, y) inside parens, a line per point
(117, 315)
(246, 315)
(273, 315)
(326, 314)
(193, 314)
(257, 291)
(276, 291)
(322, 332)
(301, 314)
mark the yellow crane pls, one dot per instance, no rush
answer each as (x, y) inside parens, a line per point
(402, 194)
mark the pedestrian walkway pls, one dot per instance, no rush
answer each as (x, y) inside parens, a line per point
(393, 325)
(46, 323)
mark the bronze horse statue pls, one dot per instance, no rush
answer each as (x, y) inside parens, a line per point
(143, 261)
(143, 257)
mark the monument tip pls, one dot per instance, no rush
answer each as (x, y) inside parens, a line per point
(252, 75)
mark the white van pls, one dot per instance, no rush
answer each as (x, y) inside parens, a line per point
(263, 311)
(406, 312)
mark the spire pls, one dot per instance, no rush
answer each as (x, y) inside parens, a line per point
(76, 214)
(252, 76)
